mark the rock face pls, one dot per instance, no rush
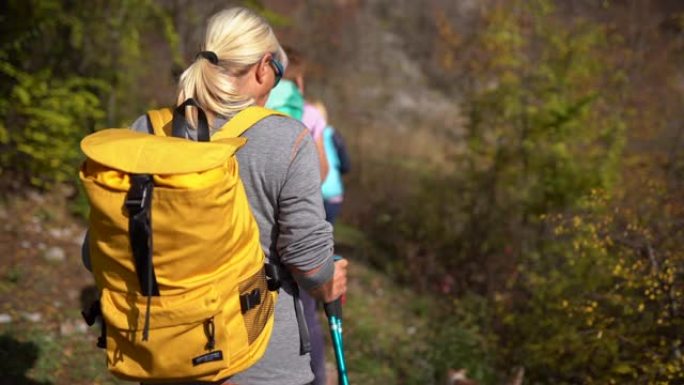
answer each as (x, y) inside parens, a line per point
(73, 327)
(32, 317)
(55, 254)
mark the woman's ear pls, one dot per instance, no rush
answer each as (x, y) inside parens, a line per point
(263, 70)
(261, 80)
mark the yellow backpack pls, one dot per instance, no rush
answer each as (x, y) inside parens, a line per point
(175, 251)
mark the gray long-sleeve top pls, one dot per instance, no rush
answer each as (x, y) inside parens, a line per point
(280, 171)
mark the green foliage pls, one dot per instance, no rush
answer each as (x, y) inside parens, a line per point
(385, 343)
(42, 122)
(528, 217)
(13, 274)
(396, 336)
(274, 18)
(547, 131)
(458, 340)
(545, 128)
(67, 68)
(602, 300)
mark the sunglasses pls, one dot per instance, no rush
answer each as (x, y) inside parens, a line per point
(278, 69)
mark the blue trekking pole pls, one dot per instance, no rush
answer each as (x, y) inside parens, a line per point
(333, 310)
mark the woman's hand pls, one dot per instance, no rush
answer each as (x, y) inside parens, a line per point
(336, 287)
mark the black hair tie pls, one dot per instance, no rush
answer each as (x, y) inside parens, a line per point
(209, 55)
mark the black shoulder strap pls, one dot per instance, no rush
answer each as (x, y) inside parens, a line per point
(179, 122)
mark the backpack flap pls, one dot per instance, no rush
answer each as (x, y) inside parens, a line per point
(139, 153)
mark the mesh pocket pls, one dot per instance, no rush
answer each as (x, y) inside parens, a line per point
(257, 315)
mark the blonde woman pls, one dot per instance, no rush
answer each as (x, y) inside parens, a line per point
(240, 63)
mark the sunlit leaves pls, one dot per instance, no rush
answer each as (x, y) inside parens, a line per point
(67, 68)
(50, 116)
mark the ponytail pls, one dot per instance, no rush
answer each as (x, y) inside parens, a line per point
(235, 40)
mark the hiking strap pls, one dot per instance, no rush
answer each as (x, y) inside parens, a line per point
(274, 280)
(245, 119)
(233, 128)
(304, 338)
(139, 206)
(159, 119)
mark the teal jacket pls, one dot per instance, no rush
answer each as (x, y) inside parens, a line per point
(332, 185)
(286, 98)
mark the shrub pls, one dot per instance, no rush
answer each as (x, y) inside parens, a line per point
(42, 122)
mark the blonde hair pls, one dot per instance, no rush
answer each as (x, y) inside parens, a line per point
(239, 38)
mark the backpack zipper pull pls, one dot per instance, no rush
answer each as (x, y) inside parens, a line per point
(209, 330)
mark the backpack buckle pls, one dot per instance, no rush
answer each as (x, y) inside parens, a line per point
(272, 276)
(250, 300)
(90, 315)
(137, 198)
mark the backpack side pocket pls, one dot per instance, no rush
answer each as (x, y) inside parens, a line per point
(184, 340)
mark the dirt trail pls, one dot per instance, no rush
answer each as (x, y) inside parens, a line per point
(43, 286)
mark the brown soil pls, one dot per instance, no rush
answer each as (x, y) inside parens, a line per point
(43, 287)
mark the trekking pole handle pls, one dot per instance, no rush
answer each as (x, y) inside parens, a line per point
(334, 308)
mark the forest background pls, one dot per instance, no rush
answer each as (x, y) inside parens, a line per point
(517, 181)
